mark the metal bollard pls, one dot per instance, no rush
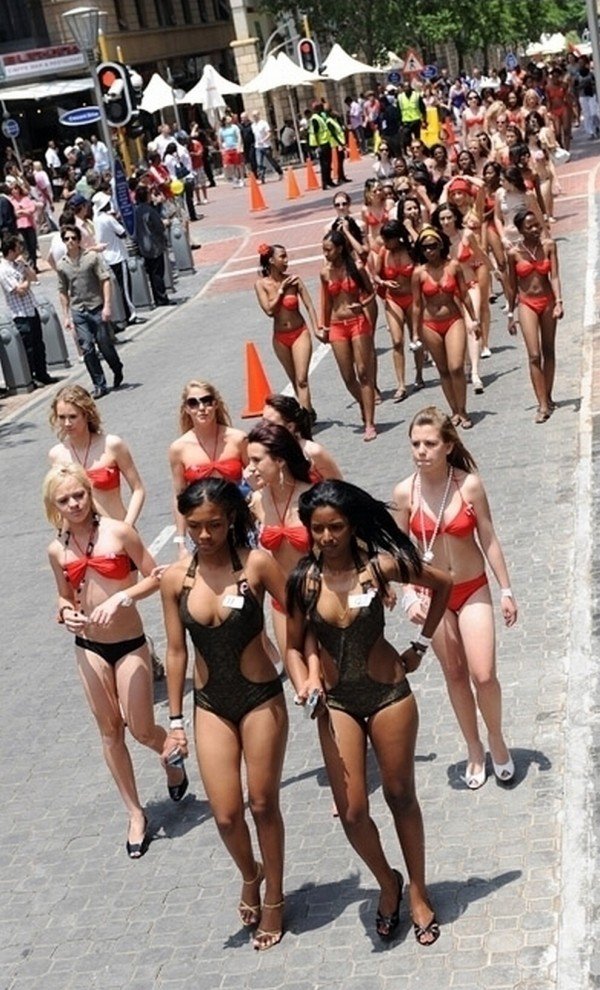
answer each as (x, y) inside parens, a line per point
(182, 252)
(169, 273)
(52, 331)
(117, 306)
(141, 296)
(15, 366)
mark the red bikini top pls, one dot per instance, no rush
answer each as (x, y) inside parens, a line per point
(524, 268)
(230, 468)
(392, 271)
(290, 301)
(116, 566)
(314, 475)
(372, 221)
(463, 524)
(271, 537)
(472, 121)
(465, 253)
(344, 285)
(447, 286)
(104, 479)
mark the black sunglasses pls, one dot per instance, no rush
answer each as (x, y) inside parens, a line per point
(195, 401)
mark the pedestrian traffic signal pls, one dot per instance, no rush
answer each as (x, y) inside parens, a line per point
(307, 54)
(117, 93)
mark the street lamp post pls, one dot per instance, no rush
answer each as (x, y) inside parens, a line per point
(84, 25)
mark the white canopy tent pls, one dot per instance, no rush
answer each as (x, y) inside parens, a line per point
(549, 44)
(339, 65)
(210, 89)
(158, 95)
(39, 90)
(280, 71)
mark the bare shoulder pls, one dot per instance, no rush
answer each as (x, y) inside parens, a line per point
(172, 579)
(58, 454)
(401, 494)
(469, 483)
(234, 435)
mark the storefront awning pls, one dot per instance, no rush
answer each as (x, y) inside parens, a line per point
(40, 90)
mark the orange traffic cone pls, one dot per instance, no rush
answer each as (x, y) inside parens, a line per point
(311, 177)
(257, 200)
(335, 172)
(292, 190)
(257, 383)
(354, 153)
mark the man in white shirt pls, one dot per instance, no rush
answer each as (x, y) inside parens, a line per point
(262, 144)
(113, 235)
(16, 276)
(100, 153)
(52, 157)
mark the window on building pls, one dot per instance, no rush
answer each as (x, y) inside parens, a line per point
(120, 15)
(186, 10)
(165, 13)
(142, 16)
(222, 10)
(21, 25)
(202, 12)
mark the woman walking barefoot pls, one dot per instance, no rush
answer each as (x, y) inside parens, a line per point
(437, 285)
(336, 594)
(91, 559)
(444, 506)
(533, 273)
(239, 709)
(279, 296)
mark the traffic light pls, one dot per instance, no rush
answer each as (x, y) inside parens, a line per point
(307, 54)
(117, 93)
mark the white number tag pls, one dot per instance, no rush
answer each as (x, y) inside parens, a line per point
(233, 601)
(361, 601)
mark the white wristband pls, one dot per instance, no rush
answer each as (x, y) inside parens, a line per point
(176, 723)
(125, 600)
(423, 640)
(506, 593)
(179, 539)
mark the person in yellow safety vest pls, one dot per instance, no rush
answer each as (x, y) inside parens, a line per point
(337, 140)
(413, 113)
(318, 139)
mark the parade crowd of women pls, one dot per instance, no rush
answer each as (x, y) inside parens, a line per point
(266, 518)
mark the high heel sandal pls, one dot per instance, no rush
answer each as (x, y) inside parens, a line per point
(250, 913)
(266, 940)
(426, 935)
(504, 772)
(386, 924)
(475, 780)
(135, 850)
(177, 791)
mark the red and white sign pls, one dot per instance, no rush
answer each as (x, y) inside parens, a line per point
(412, 63)
(31, 63)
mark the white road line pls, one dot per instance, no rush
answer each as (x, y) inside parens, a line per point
(317, 356)
(159, 541)
(577, 883)
(252, 271)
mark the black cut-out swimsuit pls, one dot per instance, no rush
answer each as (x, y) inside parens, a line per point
(356, 692)
(227, 692)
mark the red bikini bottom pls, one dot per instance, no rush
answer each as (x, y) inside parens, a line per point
(404, 301)
(462, 592)
(539, 304)
(356, 326)
(441, 325)
(289, 337)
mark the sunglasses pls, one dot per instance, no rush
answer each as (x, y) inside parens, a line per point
(69, 237)
(339, 206)
(195, 401)
(430, 246)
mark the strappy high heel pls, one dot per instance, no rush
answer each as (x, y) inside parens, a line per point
(135, 850)
(386, 924)
(250, 913)
(266, 940)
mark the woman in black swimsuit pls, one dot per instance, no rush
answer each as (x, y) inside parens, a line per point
(239, 708)
(337, 593)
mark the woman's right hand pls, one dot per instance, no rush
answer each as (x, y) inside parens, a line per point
(175, 739)
(75, 621)
(417, 612)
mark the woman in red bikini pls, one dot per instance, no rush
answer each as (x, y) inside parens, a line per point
(533, 274)
(284, 410)
(559, 107)
(393, 274)
(438, 286)
(276, 460)
(443, 506)
(94, 560)
(209, 446)
(279, 296)
(373, 213)
(466, 249)
(346, 294)
(473, 115)
(103, 456)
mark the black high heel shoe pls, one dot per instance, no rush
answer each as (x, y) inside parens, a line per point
(386, 924)
(177, 791)
(135, 850)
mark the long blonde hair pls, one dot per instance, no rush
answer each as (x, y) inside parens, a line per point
(79, 397)
(459, 456)
(56, 477)
(185, 420)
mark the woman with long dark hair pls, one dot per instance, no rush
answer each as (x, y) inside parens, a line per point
(393, 274)
(346, 294)
(359, 683)
(285, 410)
(239, 710)
(444, 506)
(279, 296)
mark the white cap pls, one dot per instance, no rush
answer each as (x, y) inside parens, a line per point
(100, 201)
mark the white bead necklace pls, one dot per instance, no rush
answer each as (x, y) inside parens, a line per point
(427, 554)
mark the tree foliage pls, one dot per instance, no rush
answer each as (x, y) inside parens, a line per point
(373, 28)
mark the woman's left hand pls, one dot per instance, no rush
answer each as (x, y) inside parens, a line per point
(158, 571)
(104, 614)
(558, 312)
(410, 660)
(475, 328)
(355, 307)
(509, 610)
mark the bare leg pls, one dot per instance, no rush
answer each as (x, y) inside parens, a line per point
(530, 328)
(449, 650)
(473, 344)
(434, 342)
(364, 359)
(342, 352)
(455, 344)
(301, 355)
(395, 322)
(548, 328)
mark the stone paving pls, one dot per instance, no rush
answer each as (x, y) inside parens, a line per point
(77, 914)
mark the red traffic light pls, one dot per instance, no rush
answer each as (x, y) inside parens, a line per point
(307, 54)
(116, 93)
